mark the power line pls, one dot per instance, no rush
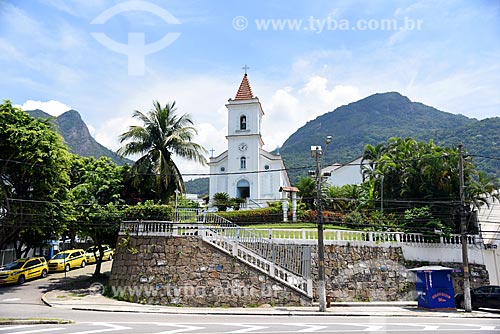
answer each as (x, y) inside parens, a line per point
(306, 167)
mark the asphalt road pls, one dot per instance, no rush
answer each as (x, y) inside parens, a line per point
(142, 323)
(24, 302)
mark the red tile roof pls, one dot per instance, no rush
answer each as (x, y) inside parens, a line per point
(245, 91)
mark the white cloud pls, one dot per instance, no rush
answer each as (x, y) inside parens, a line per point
(19, 21)
(52, 107)
(317, 89)
(107, 132)
(204, 96)
(201, 96)
(290, 108)
(79, 8)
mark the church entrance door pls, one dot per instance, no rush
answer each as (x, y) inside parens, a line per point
(243, 189)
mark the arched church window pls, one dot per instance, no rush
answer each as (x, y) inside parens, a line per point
(243, 163)
(243, 122)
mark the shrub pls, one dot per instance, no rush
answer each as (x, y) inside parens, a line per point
(221, 201)
(263, 215)
(149, 211)
(332, 217)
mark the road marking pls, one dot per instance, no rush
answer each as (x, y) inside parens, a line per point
(425, 326)
(487, 328)
(481, 327)
(15, 327)
(38, 330)
(11, 300)
(249, 328)
(368, 327)
(184, 328)
(309, 329)
(112, 327)
(372, 328)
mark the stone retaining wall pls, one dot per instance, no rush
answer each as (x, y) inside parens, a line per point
(363, 273)
(187, 271)
(366, 274)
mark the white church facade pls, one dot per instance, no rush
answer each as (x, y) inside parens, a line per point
(245, 169)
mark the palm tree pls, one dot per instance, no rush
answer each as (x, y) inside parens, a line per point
(163, 134)
(307, 191)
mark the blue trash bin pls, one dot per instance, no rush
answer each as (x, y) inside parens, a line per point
(435, 288)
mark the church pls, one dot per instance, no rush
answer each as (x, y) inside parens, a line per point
(245, 170)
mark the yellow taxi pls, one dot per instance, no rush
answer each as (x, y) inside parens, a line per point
(23, 269)
(92, 254)
(65, 260)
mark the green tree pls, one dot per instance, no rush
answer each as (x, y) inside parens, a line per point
(162, 135)
(343, 198)
(307, 191)
(33, 180)
(96, 196)
(421, 220)
(407, 173)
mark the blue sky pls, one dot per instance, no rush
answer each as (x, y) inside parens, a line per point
(305, 57)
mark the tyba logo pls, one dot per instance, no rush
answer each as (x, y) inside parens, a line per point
(136, 49)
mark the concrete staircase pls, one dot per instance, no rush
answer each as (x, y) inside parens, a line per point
(287, 262)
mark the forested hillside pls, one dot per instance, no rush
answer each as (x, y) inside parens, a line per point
(378, 117)
(77, 136)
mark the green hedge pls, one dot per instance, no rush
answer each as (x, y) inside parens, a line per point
(264, 215)
(149, 211)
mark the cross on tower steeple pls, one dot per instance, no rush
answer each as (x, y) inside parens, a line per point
(245, 68)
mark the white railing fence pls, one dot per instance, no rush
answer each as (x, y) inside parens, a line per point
(223, 225)
(230, 244)
(289, 264)
(364, 236)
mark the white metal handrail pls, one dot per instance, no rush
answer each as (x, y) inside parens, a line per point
(233, 247)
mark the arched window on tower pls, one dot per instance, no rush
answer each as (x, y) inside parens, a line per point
(243, 122)
(243, 163)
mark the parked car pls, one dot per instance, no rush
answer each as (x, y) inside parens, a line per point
(487, 296)
(92, 253)
(65, 260)
(23, 269)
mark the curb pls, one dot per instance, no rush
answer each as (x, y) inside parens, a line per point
(35, 322)
(44, 300)
(350, 310)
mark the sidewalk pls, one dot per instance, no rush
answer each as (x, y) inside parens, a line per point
(81, 292)
(88, 300)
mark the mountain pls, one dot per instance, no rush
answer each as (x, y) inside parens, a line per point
(376, 118)
(481, 139)
(197, 186)
(77, 136)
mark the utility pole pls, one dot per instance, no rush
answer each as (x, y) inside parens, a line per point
(463, 234)
(321, 246)
(317, 153)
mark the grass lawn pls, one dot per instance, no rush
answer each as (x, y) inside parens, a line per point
(295, 226)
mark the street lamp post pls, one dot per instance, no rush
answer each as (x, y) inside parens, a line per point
(176, 212)
(317, 154)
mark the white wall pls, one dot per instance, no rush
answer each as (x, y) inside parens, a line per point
(492, 262)
(347, 174)
(440, 253)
